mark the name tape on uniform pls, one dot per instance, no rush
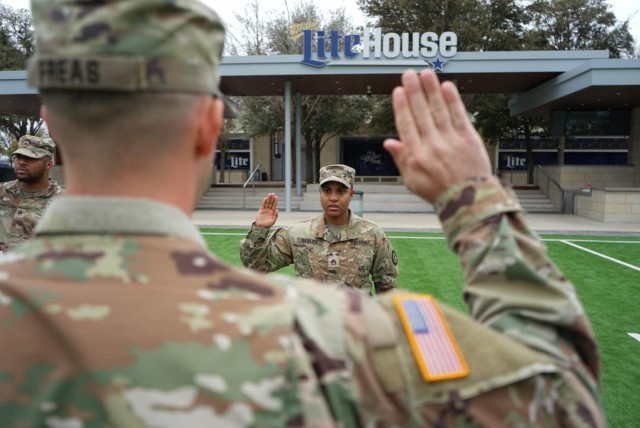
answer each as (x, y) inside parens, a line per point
(434, 347)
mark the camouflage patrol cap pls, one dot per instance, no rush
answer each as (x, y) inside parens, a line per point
(341, 173)
(35, 147)
(127, 45)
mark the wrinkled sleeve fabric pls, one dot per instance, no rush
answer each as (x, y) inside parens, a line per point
(265, 252)
(511, 285)
(336, 374)
(384, 271)
(5, 215)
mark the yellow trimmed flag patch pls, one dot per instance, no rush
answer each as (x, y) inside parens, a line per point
(434, 347)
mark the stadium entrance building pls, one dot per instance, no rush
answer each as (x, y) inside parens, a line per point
(593, 103)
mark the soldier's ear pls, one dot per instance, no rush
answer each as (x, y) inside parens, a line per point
(209, 126)
(44, 114)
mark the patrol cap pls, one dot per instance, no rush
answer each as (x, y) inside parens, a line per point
(35, 147)
(341, 173)
(127, 45)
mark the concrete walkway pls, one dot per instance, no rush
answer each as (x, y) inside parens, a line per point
(423, 222)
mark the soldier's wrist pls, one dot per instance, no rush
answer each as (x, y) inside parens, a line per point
(473, 200)
(258, 231)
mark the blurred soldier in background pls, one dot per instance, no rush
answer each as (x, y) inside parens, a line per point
(23, 200)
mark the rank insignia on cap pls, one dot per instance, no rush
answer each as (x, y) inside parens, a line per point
(433, 346)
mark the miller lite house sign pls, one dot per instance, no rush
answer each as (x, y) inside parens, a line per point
(331, 46)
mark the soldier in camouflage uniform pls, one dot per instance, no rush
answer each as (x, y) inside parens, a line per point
(115, 314)
(335, 246)
(23, 200)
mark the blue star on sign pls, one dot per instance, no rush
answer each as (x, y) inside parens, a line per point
(438, 64)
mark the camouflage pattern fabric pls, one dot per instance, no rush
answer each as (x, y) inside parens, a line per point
(341, 173)
(349, 259)
(35, 147)
(127, 45)
(20, 210)
(138, 329)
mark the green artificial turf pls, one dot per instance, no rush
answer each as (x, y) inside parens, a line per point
(609, 293)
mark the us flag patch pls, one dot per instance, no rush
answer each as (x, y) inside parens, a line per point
(430, 338)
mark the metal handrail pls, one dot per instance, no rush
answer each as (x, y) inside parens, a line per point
(253, 185)
(554, 181)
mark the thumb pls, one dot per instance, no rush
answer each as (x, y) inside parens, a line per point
(396, 149)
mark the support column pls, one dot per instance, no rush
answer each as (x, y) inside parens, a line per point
(634, 146)
(287, 145)
(298, 144)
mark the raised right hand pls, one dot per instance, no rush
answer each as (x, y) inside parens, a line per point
(438, 145)
(268, 212)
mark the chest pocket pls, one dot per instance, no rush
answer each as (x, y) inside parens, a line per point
(309, 259)
(358, 260)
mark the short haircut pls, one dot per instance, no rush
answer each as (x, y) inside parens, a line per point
(119, 122)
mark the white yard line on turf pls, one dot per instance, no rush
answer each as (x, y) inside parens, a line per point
(636, 336)
(620, 262)
(442, 237)
(223, 234)
(592, 241)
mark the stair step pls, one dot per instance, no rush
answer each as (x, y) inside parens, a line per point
(390, 198)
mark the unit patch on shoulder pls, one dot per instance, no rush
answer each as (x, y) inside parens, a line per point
(433, 346)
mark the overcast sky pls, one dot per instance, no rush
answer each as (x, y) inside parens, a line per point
(622, 8)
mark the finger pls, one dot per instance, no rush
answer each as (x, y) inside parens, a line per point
(439, 109)
(263, 205)
(404, 119)
(399, 154)
(418, 102)
(397, 150)
(269, 201)
(459, 116)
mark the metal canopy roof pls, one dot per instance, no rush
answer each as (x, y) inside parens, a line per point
(595, 85)
(541, 81)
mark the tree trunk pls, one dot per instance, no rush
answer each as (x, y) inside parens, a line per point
(316, 155)
(309, 158)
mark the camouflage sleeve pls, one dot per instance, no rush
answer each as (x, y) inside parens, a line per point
(264, 251)
(5, 220)
(4, 237)
(385, 265)
(337, 379)
(511, 285)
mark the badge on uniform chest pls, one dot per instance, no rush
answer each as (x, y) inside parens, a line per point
(333, 261)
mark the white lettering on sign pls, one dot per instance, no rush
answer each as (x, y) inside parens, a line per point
(239, 161)
(331, 45)
(412, 45)
(515, 161)
(372, 158)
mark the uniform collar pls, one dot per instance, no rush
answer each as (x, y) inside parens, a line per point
(50, 190)
(324, 232)
(114, 215)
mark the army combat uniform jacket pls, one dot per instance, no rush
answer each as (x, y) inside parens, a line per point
(20, 210)
(116, 315)
(361, 251)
